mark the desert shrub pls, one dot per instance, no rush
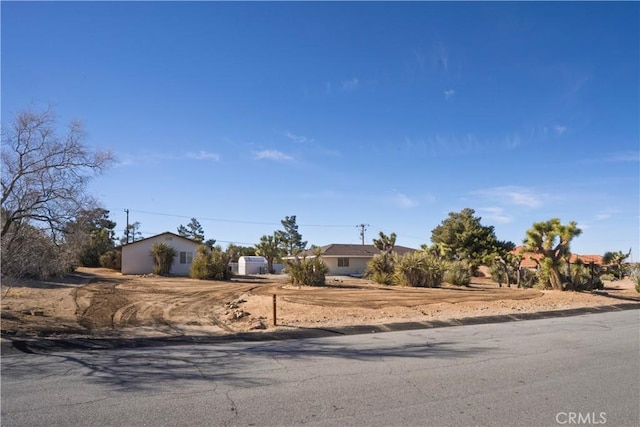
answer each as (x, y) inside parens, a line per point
(543, 273)
(458, 274)
(419, 269)
(498, 274)
(608, 276)
(503, 269)
(163, 255)
(582, 280)
(634, 274)
(29, 252)
(307, 271)
(210, 264)
(528, 278)
(411, 270)
(381, 269)
(112, 260)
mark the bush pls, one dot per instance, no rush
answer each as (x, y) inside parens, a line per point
(163, 255)
(411, 270)
(419, 269)
(498, 274)
(381, 269)
(458, 274)
(634, 273)
(528, 278)
(581, 278)
(112, 260)
(307, 271)
(29, 252)
(608, 276)
(210, 264)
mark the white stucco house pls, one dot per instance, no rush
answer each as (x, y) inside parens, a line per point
(350, 259)
(137, 259)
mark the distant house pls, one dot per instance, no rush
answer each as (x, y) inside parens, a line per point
(350, 259)
(530, 259)
(137, 259)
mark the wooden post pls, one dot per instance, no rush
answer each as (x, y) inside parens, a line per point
(275, 323)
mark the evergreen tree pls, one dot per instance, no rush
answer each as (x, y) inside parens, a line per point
(193, 231)
(290, 239)
(462, 237)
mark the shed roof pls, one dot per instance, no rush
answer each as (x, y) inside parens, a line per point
(247, 258)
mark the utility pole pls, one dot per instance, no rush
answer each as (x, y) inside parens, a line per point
(363, 228)
(126, 230)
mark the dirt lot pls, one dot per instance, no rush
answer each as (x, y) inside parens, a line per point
(103, 303)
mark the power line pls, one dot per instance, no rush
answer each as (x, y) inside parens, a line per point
(233, 221)
(235, 242)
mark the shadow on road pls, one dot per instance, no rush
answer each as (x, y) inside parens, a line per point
(156, 369)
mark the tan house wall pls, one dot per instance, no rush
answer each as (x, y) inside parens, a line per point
(137, 259)
(356, 266)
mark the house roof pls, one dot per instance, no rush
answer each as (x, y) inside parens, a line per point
(162, 234)
(354, 250)
(529, 258)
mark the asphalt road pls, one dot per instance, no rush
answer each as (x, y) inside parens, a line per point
(582, 370)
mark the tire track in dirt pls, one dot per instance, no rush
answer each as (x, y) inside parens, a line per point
(127, 301)
(163, 302)
(104, 303)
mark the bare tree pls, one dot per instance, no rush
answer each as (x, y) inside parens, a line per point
(44, 175)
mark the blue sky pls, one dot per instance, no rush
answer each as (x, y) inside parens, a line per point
(388, 114)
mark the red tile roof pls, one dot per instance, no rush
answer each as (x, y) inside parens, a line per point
(528, 258)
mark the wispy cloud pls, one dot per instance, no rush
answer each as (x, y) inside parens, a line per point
(404, 201)
(512, 195)
(271, 155)
(440, 57)
(124, 161)
(445, 144)
(511, 142)
(350, 85)
(606, 214)
(495, 214)
(626, 156)
(298, 138)
(560, 129)
(203, 155)
(582, 225)
(449, 93)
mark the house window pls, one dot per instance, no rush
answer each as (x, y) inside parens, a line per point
(343, 262)
(186, 257)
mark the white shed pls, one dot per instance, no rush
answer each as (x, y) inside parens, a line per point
(137, 259)
(252, 265)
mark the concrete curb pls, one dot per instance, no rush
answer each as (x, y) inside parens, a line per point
(12, 345)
